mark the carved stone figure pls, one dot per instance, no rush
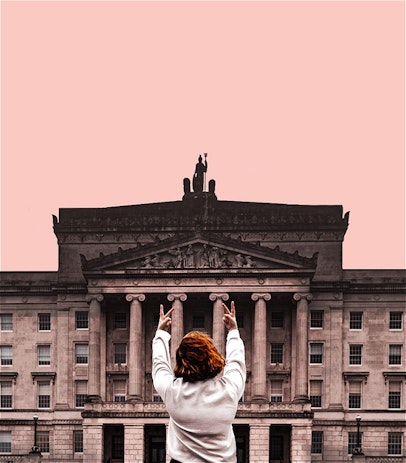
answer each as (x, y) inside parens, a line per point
(198, 177)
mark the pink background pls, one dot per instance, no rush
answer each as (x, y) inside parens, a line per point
(110, 103)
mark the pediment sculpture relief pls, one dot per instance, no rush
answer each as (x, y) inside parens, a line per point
(197, 256)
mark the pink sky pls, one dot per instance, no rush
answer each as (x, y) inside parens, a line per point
(110, 103)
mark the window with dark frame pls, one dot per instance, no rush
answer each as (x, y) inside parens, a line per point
(198, 322)
(43, 441)
(44, 394)
(80, 393)
(316, 353)
(6, 321)
(82, 354)
(317, 442)
(395, 394)
(395, 320)
(117, 447)
(6, 355)
(277, 353)
(395, 443)
(316, 387)
(6, 394)
(44, 322)
(356, 320)
(119, 390)
(120, 320)
(355, 354)
(78, 441)
(276, 390)
(44, 354)
(354, 395)
(395, 354)
(5, 441)
(82, 320)
(353, 441)
(120, 353)
(316, 318)
(277, 319)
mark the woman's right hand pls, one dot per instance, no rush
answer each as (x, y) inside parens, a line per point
(229, 318)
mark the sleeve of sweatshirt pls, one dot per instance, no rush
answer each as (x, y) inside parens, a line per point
(235, 370)
(162, 374)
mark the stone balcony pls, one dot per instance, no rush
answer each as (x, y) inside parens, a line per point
(158, 410)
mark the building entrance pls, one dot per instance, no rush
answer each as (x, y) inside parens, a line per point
(279, 444)
(155, 440)
(113, 443)
(242, 432)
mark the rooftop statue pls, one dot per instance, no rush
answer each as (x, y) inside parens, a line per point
(198, 177)
(199, 182)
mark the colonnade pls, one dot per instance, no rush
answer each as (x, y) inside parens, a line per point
(259, 346)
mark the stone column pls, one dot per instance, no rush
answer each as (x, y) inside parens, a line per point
(301, 336)
(259, 348)
(335, 383)
(133, 443)
(135, 351)
(218, 325)
(177, 322)
(259, 443)
(301, 443)
(93, 443)
(63, 348)
(94, 346)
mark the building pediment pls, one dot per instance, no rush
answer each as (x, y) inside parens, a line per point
(198, 251)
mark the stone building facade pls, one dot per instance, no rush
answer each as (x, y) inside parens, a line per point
(76, 343)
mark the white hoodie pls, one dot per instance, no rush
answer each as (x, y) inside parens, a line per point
(201, 413)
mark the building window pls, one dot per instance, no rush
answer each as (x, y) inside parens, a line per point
(395, 320)
(395, 354)
(198, 322)
(356, 320)
(276, 353)
(355, 354)
(395, 394)
(44, 322)
(155, 396)
(240, 320)
(317, 442)
(276, 390)
(5, 441)
(43, 441)
(82, 320)
(120, 320)
(6, 394)
(395, 443)
(354, 396)
(6, 355)
(316, 318)
(78, 441)
(80, 393)
(6, 322)
(277, 319)
(316, 393)
(82, 353)
(120, 353)
(316, 353)
(119, 390)
(117, 447)
(353, 442)
(44, 355)
(44, 394)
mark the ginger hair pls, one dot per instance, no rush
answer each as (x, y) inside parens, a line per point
(197, 358)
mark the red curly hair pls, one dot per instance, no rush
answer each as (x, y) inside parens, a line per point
(197, 358)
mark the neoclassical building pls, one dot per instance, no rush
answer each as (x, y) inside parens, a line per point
(76, 343)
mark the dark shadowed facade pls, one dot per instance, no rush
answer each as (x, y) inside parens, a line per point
(76, 343)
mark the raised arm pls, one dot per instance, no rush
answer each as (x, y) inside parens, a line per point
(162, 374)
